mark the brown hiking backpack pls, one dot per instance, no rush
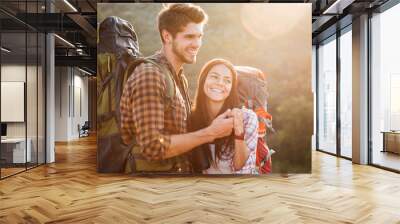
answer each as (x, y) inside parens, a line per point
(253, 94)
(117, 56)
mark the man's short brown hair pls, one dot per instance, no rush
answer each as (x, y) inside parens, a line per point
(174, 17)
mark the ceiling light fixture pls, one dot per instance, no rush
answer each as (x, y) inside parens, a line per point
(5, 50)
(337, 7)
(79, 51)
(65, 41)
(86, 72)
(70, 5)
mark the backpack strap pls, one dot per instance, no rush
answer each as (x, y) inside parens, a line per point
(104, 70)
(169, 80)
(188, 102)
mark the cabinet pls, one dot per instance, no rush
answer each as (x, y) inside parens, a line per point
(391, 141)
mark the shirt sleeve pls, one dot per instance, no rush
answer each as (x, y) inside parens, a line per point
(147, 95)
(250, 129)
(250, 137)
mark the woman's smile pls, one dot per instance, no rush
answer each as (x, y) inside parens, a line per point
(216, 90)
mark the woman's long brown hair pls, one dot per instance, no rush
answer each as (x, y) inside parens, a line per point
(200, 117)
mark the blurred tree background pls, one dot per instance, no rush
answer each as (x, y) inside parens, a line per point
(275, 38)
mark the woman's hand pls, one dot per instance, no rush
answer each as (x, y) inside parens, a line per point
(238, 121)
(241, 150)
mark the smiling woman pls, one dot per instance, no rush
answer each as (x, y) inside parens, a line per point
(216, 94)
(216, 79)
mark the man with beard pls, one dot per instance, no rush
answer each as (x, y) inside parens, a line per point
(158, 129)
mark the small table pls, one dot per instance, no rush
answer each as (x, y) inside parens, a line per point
(391, 141)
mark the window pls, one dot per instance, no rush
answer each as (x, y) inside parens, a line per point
(327, 96)
(385, 88)
(346, 93)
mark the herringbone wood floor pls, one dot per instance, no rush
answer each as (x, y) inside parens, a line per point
(70, 191)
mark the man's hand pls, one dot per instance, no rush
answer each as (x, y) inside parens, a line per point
(222, 125)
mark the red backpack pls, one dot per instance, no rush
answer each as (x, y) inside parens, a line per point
(252, 89)
(263, 153)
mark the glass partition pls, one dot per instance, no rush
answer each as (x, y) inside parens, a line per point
(22, 90)
(14, 153)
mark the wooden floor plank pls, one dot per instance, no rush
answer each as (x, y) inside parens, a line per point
(71, 191)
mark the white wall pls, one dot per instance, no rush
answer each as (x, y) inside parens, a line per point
(80, 100)
(71, 93)
(13, 73)
(61, 103)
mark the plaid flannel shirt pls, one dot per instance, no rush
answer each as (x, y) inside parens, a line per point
(143, 111)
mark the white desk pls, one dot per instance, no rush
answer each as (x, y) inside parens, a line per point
(17, 146)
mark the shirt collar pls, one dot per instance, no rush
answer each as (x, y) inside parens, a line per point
(160, 56)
